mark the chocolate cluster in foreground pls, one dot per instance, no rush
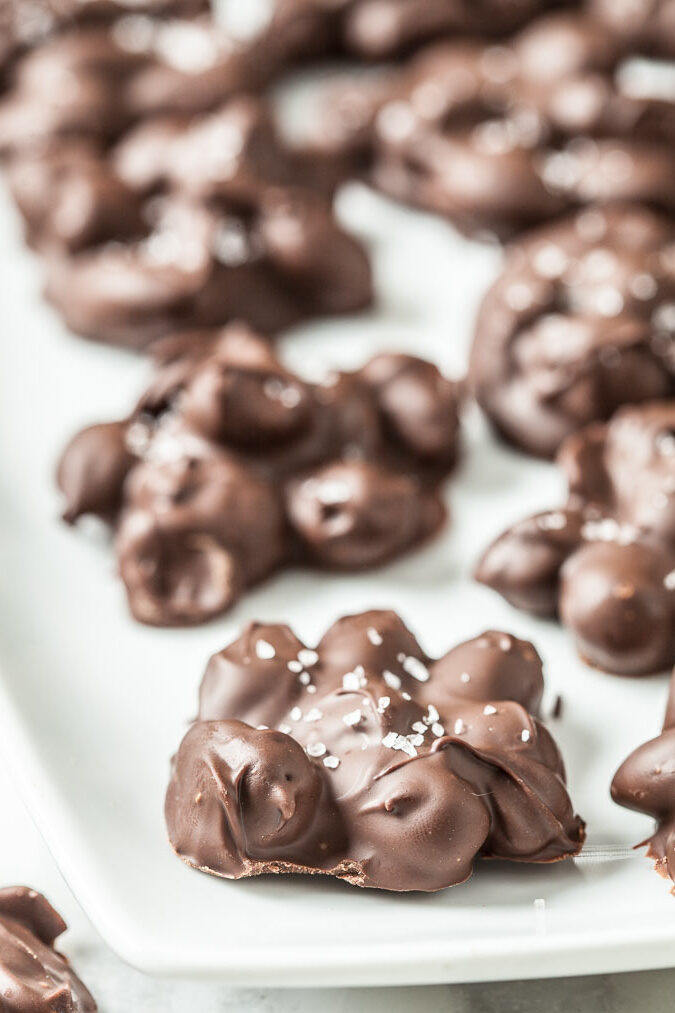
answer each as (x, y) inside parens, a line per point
(606, 561)
(646, 782)
(35, 977)
(366, 760)
(186, 222)
(580, 322)
(231, 466)
(500, 138)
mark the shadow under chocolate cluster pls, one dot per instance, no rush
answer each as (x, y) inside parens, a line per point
(231, 466)
(367, 761)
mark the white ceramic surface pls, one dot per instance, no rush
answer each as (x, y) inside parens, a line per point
(92, 705)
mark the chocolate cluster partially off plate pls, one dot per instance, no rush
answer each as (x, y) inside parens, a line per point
(580, 321)
(646, 782)
(500, 138)
(231, 466)
(34, 977)
(605, 562)
(367, 761)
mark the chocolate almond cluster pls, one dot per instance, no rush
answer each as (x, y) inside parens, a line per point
(368, 761)
(605, 562)
(580, 321)
(231, 466)
(159, 195)
(646, 782)
(35, 977)
(501, 138)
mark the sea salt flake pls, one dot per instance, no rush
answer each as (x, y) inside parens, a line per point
(419, 726)
(393, 681)
(353, 718)
(316, 749)
(525, 735)
(489, 709)
(399, 742)
(416, 668)
(295, 666)
(382, 704)
(459, 727)
(304, 678)
(307, 657)
(331, 762)
(374, 636)
(296, 714)
(437, 729)
(669, 581)
(313, 715)
(265, 650)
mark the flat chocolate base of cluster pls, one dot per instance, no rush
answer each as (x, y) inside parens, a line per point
(645, 782)
(605, 562)
(35, 977)
(231, 467)
(365, 760)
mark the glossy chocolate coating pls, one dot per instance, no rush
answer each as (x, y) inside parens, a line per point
(646, 782)
(500, 138)
(605, 562)
(578, 323)
(98, 79)
(35, 977)
(189, 222)
(366, 760)
(378, 29)
(231, 466)
(647, 25)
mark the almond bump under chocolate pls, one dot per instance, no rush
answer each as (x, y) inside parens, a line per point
(605, 561)
(366, 760)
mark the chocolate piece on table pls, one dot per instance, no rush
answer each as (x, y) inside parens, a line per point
(646, 782)
(500, 138)
(272, 259)
(579, 322)
(35, 977)
(646, 25)
(380, 29)
(232, 466)
(606, 561)
(366, 760)
(95, 81)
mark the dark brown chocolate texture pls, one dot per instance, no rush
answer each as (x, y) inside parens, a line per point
(647, 25)
(377, 29)
(500, 138)
(231, 466)
(366, 760)
(35, 977)
(606, 561)
(580, 321)
(189, 222)
(646, 782)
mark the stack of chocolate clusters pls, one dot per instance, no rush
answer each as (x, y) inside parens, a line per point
(172, 215)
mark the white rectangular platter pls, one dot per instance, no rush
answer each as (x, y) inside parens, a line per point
(92, 705)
